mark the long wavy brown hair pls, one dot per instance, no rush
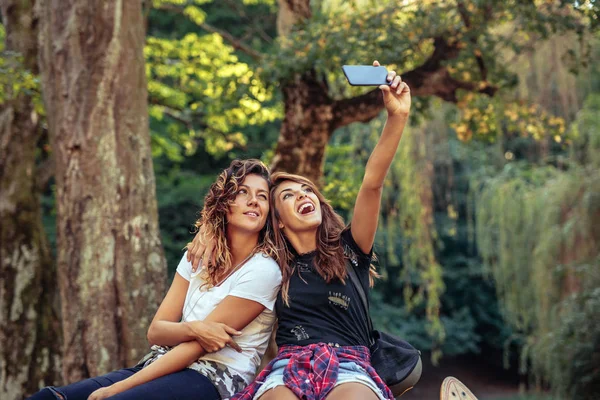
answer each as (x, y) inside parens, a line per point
(213, 217)
(330, 261)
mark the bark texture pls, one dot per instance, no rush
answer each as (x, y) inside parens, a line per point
(111, 267)
(306, 128)
(29, 325)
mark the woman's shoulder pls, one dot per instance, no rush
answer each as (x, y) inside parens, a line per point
(351, 250)
(264, 262)
(260, 270)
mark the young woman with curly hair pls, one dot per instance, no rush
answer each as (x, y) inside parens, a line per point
(323, 333)
(194, 354)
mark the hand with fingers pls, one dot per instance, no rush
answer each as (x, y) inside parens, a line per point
(104, 393)
(213, 336)
(396, 95)
(200, 249)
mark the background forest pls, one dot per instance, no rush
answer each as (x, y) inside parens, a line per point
(115, 117)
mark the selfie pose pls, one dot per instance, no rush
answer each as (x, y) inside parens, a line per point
(195, 355)
(324, 330)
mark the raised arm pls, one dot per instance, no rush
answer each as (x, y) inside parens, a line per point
(397, 100)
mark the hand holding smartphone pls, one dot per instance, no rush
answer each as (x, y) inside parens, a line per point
(365, 75)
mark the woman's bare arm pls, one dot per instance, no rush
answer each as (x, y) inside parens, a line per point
(165, 328)
(233, 311)
(175, 360)
(396, 98)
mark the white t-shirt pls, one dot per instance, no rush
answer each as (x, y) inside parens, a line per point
(259, 279)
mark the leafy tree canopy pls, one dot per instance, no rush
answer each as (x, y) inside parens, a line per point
(219, 68)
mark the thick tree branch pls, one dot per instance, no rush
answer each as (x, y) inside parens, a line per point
(429, 79)
(190, 124)
(233, 5)
(237, 44)
(187, 123)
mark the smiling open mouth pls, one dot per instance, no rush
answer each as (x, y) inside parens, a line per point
(251, 213)
(306, 208)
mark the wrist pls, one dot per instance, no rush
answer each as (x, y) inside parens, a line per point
(118, 387)
(401, 117)
(191, 330)
(187, 330)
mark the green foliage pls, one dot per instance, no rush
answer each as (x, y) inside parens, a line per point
(490, 118)
(15, 79)
(200, 92)
(180, 197)
(478, 29)
(410, 197)
(537, 233)
(346, 157)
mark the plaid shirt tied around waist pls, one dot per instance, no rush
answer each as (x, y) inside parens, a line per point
(314, 382)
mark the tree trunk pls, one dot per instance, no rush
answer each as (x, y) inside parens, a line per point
(306, 128)
(29, 327)
(111, 266)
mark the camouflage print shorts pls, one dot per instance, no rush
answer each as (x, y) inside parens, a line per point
(225, 380)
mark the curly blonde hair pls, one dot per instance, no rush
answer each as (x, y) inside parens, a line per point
(330, 260)
(213, 217)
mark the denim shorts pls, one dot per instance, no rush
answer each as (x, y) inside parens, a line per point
(349, 372)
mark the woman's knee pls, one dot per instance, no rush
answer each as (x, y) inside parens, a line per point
(278, 393)
(47, 393)
(352, 391)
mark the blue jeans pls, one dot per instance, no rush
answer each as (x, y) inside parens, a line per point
(183, 385)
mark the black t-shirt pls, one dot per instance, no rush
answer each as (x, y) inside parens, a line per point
(321, 312)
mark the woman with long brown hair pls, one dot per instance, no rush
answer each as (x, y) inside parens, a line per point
(194, 353)
(323, 333)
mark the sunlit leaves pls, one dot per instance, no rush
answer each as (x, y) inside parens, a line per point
(162, 3)
(199, 88)
(221, 144)
(195, 14)
(15, 79)
(344, 171)
(271, 3)
(482, 117)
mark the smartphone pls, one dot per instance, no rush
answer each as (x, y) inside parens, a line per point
(365, 75)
